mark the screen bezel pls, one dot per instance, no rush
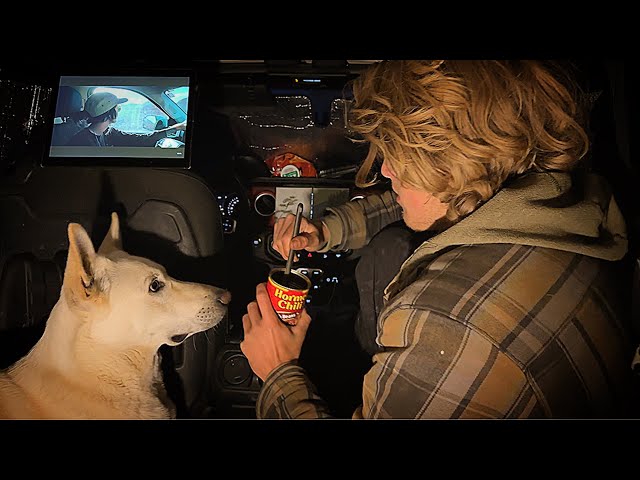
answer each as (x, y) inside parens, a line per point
(119, 160)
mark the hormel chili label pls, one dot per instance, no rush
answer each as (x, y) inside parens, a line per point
(288, 301)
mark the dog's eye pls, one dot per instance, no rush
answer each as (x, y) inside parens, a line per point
(156, 285)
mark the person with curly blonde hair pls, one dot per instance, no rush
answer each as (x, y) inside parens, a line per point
(506, 305)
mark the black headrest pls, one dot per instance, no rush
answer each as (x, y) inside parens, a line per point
(29, 288)
(69, 102)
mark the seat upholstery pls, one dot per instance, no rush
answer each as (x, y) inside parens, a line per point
(29, 288)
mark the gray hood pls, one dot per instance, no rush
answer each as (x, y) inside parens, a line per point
(550, 210)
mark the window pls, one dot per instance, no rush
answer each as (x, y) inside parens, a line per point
(138, 114)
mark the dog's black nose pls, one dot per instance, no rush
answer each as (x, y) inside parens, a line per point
(225, 298)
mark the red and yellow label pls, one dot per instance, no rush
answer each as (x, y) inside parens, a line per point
(287, 302)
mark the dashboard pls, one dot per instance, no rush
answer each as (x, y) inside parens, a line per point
(228, 203)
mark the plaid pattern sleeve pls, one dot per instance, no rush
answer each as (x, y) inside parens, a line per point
(288, 393)
(353, 224)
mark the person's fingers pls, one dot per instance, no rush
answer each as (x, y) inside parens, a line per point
(282, 232)
(308, 238)
(246, 324)
(269, 316)
(253, 311)
(277, 228)
(283, 247)
(304, 320)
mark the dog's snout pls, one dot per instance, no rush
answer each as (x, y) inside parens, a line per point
(225, 297)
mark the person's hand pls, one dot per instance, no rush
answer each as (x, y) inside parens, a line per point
(269, 342)
(311, 237)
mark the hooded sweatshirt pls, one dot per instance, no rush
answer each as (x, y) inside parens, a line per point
(512, 312)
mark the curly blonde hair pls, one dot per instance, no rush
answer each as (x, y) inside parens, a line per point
(460, 128)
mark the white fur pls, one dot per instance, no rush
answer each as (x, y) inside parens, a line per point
(98, 356)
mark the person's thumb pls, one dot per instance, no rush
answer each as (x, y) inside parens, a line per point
(306, 240)
(300, 330)
(300, 242)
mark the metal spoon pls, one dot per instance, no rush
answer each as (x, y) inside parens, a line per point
(296, 232)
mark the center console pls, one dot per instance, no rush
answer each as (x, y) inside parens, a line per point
(248, 214)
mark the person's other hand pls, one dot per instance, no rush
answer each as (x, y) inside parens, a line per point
(311, 237)
(268, 342)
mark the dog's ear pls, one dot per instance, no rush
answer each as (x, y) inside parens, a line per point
(112, 240)
(79, 281)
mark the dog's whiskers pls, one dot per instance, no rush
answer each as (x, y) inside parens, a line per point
(207, 336)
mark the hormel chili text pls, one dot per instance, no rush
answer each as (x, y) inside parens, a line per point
(288, 294)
